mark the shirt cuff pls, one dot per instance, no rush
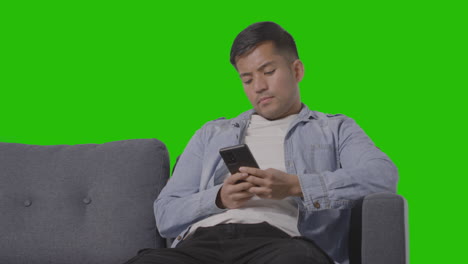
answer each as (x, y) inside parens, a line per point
(207, 201)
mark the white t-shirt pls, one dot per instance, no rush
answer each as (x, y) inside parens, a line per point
(265, 139)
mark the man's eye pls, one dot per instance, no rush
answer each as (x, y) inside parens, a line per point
(270, 72)
(248, 81)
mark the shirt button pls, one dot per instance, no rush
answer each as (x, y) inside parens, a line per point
(317, 205)
(87, 200)
(179, 238)
(27, 203)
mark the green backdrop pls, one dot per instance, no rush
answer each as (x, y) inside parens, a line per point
(73, 73)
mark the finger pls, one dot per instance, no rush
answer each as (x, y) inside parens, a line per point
(261, 191)
(255, 180)
(241, 196)
(240, 187)
(253, 171)
(236, 177)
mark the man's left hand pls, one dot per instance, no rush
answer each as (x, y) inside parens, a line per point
(272, 183)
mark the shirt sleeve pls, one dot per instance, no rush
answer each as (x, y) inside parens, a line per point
(364, 169)
(181, 203)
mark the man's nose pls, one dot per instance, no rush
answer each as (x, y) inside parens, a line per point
(260, 85)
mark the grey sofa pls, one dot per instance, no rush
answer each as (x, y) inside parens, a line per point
(93, 203)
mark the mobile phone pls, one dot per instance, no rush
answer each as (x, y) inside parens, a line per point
(238, 156)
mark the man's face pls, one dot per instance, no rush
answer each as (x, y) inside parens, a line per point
(271, 81)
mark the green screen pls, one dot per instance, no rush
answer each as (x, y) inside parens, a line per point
(74, 72)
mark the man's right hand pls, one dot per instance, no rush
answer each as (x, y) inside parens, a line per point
(233, 194)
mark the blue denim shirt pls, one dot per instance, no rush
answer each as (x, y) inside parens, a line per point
(336, 162)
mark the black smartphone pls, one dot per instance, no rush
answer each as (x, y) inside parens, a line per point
(238, 156)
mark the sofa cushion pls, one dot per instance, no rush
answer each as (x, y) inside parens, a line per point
(90, 203)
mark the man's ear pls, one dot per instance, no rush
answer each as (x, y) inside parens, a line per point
(298, 70)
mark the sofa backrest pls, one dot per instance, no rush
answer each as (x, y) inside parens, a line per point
(90, 203)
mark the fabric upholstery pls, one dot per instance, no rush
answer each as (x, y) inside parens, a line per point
(90, 203)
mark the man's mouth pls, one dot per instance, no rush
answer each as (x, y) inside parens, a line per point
(265, 99)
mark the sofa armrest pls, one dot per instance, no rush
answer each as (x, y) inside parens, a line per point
(384, 229)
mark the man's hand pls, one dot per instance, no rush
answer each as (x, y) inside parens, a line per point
(272, 183)
(234, 194)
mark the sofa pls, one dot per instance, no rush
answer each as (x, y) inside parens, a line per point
(93, 203)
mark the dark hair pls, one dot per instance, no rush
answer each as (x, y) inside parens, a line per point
(259, 32)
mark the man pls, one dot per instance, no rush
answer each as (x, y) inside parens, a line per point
(296, 207)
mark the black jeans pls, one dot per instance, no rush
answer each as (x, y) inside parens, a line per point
(237, 244)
